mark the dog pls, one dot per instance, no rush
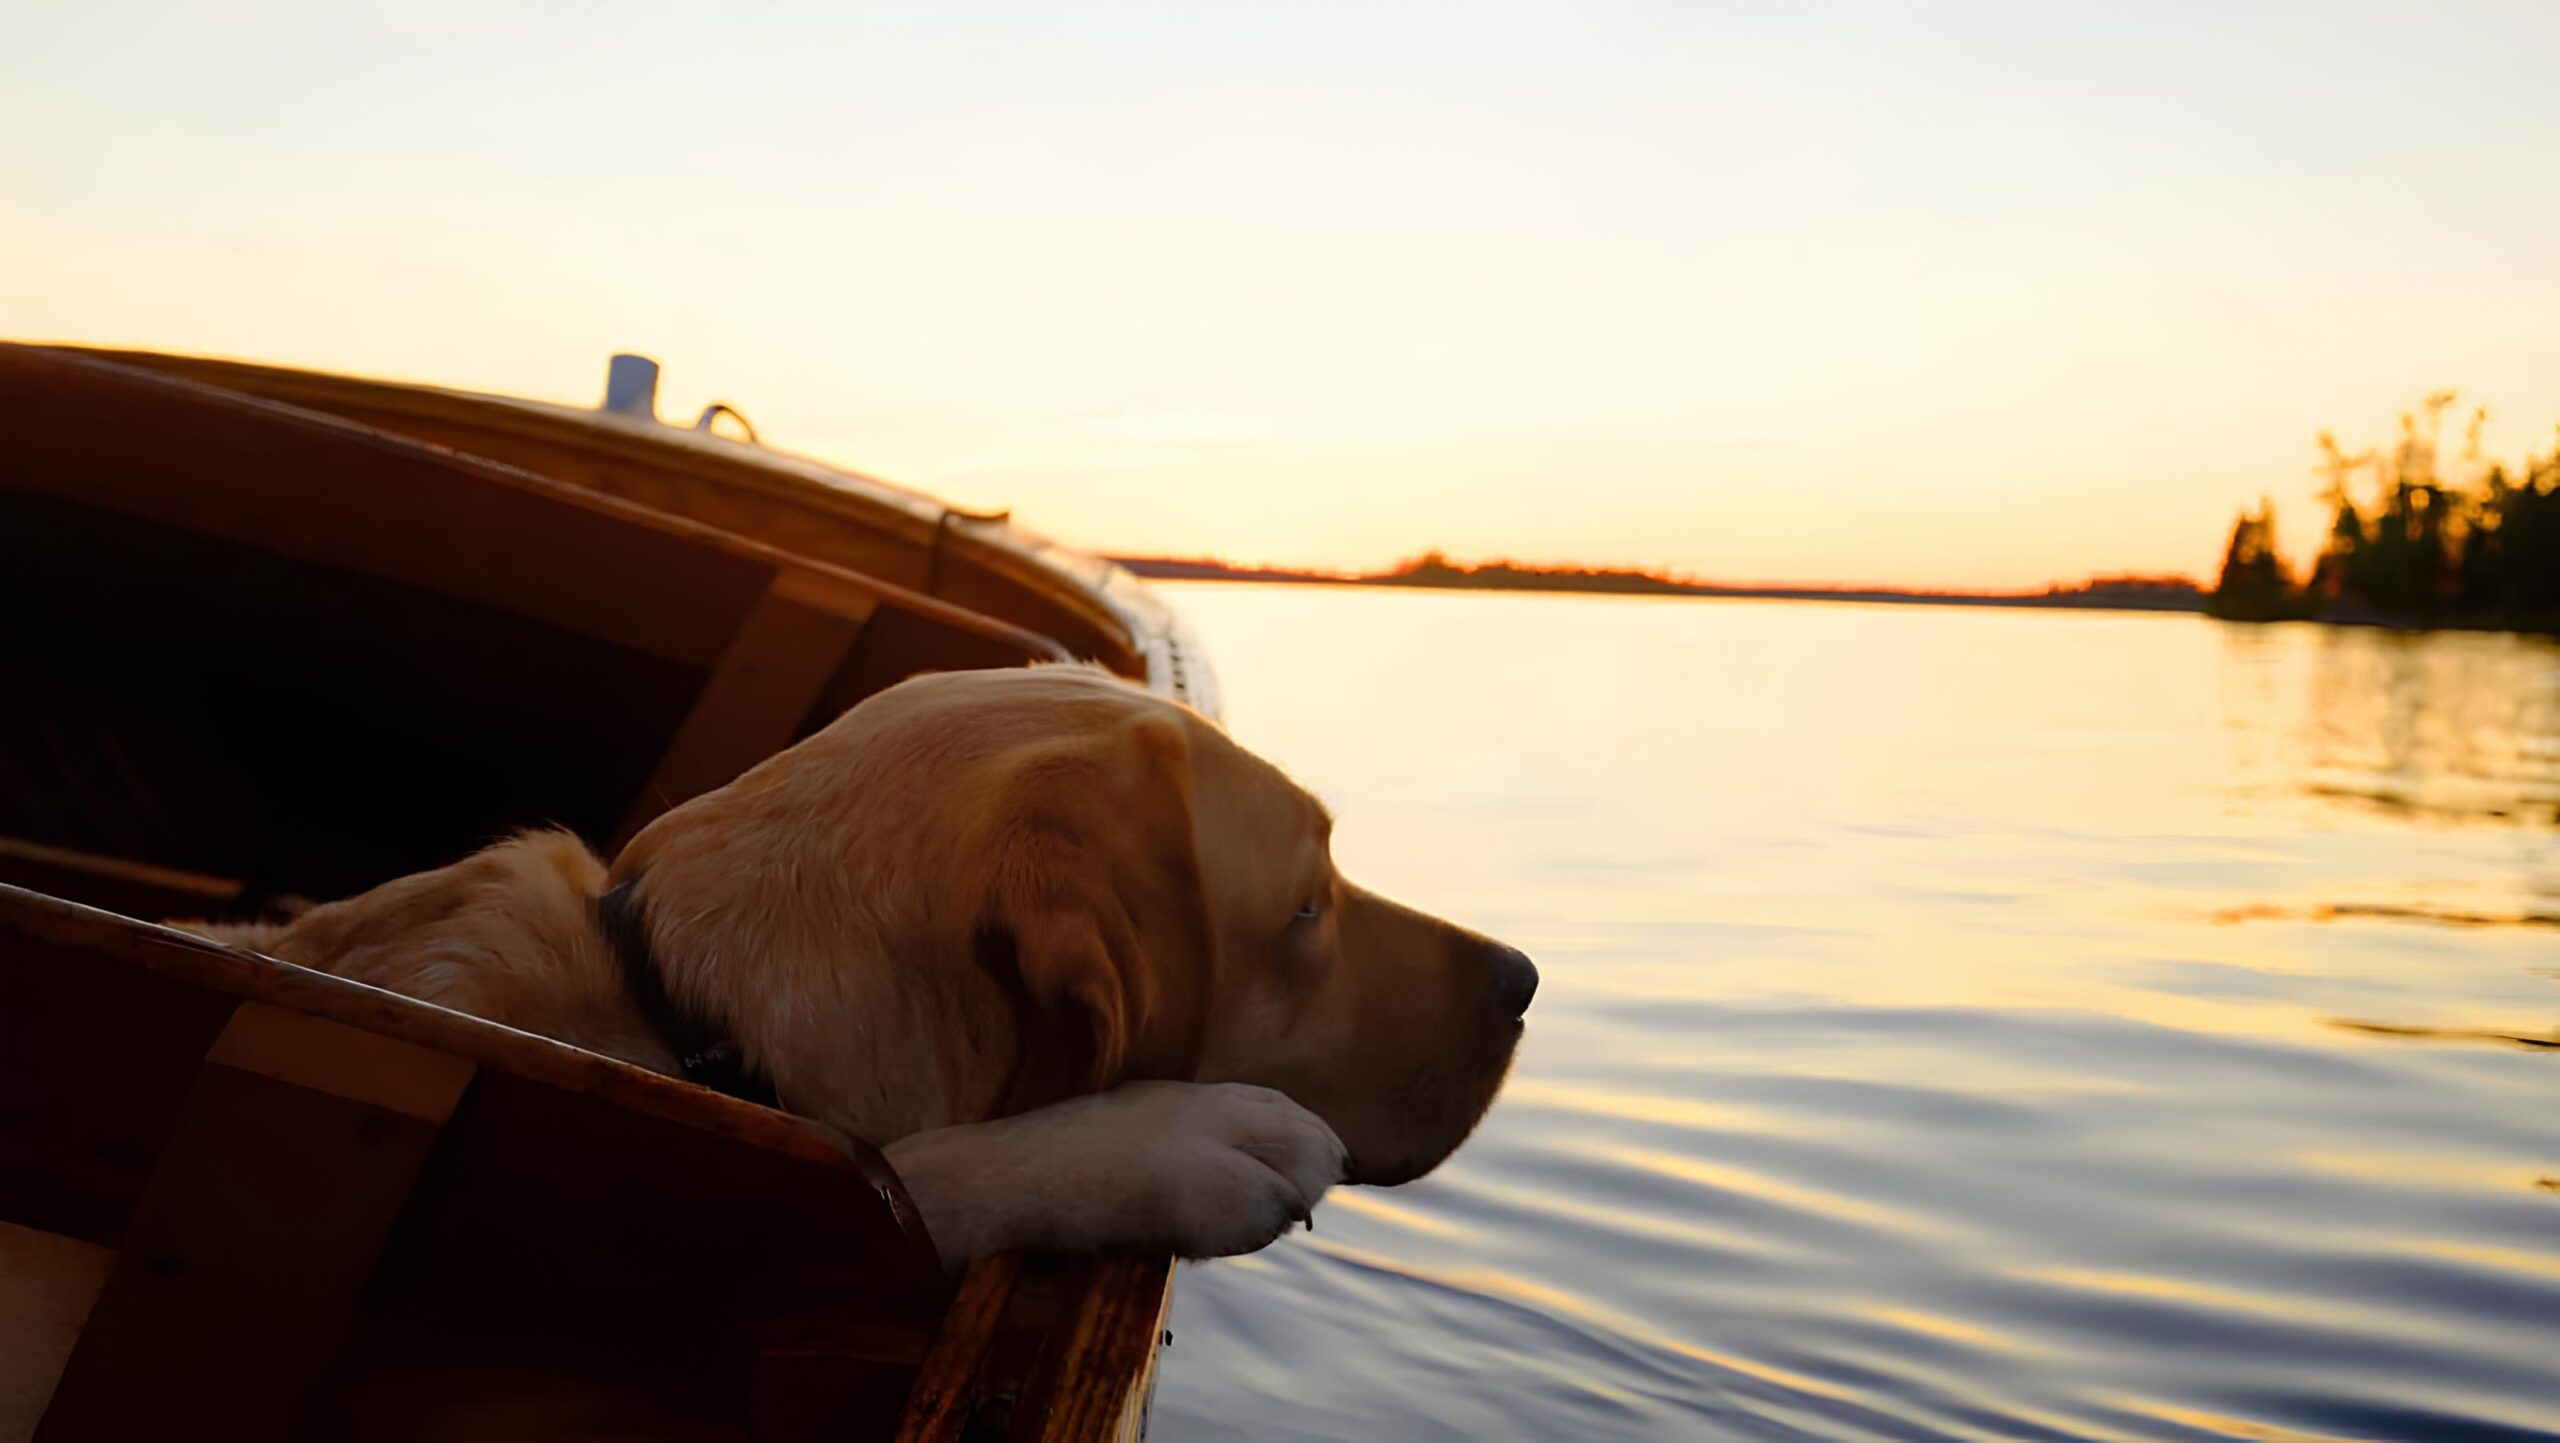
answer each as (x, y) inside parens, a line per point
(1078, 963)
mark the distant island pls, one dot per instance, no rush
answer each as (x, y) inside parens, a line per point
(2421, 547)
(1435, 570)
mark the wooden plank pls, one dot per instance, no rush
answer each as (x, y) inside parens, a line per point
(95, 1061)
(205, 704)
(771, 675)
(580, 1225)
(1096, 1374)
(683, 1274)
(318, 1055)
(69, 974)
(269, 1206)
(822, 1370)
(48, 1284)
(137, 889)
(780, 499)
(1044, 1350)
(324, 490)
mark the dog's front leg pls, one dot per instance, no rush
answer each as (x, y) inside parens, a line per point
(1200, 1170)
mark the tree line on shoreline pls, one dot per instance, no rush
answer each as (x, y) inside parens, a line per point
(2429, 542)
(1436, 570)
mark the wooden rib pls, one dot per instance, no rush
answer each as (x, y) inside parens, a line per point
(323, 1056)
(268, 1207)
(136, 888)
(752, 707)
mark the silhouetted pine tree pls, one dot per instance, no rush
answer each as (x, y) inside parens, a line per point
(2254, 586)
(2424, 551)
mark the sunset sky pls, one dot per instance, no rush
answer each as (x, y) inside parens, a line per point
(1939, 295)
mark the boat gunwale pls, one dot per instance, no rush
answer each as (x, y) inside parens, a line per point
(1174, 662)
(817, 575)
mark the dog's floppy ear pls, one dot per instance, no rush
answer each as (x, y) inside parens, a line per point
(1097, 922)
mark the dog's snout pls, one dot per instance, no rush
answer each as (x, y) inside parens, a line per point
(1515, 979)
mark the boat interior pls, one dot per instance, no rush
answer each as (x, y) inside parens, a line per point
(272, 636)
(275, 646)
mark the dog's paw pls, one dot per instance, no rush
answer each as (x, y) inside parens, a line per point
(1238, 1165)
(1201, 1170)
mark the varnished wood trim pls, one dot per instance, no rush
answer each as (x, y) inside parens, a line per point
(776, 665)
(1098, 1365)
(323, 491)
(947, 1389)
(803, 499)
(1046, 1350)
(169, 890)
(401, 531)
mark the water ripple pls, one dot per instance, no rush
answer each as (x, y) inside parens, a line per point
(1954, 1029)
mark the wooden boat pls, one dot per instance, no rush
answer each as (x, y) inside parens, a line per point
(271, 634)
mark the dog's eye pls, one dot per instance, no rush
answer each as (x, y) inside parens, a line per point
(1304, 937)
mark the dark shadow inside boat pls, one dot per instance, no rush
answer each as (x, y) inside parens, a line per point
(258, 652)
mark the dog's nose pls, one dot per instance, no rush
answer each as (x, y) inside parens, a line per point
(1515, 980)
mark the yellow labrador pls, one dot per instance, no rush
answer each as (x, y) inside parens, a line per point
(1081, 965)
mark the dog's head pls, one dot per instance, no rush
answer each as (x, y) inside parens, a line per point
(1050, 882)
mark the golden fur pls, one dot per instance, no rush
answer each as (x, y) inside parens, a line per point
(976, 895)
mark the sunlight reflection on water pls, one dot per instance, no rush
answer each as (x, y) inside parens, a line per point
(1958, 1024)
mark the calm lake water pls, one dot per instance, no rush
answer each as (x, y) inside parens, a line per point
(1957, 1024)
